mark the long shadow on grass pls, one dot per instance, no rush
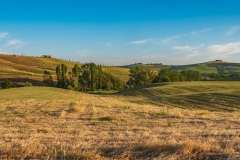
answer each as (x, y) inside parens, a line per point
(17, 80)
(207, 101)
(158, 151)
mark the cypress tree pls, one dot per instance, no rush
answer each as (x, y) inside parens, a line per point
(59, 75)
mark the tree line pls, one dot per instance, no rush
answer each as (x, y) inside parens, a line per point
(140, 75)
(88, 77)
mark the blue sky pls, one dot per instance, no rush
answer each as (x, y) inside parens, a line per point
(121, 32)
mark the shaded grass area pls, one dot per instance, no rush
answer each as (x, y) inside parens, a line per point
(212, 96)
(35, 81)
(101, 92)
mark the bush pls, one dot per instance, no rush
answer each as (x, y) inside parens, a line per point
(106, 118)
(26, 84)
(7, 84)
(165, 79)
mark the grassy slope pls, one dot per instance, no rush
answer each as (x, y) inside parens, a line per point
(161, 121)
(209, 67)
(214, 96)
(202, 68)
(33, 67)
(121, 73)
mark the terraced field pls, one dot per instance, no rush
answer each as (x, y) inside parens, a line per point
(27, 68)
(194, 120)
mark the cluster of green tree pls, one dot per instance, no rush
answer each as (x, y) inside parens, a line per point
(222, 75)
(167, 75)
(141, 76)
(88, 77)
(235, 75)
(9, 84)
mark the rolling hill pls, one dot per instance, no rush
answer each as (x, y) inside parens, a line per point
(177, 120)
(29, 68)
(207, 67)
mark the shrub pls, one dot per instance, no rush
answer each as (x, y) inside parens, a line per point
(108, 118)
(7, 84)
(165, 79)
(26, 84)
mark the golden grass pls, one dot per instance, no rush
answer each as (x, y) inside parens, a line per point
(51, 123)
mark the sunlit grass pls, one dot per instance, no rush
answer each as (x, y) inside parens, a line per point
(140, 123)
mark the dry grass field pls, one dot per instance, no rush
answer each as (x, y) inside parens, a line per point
(140, 123)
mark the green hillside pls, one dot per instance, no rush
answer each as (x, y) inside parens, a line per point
(208, 67)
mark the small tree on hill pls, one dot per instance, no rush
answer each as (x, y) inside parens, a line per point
(140, 76)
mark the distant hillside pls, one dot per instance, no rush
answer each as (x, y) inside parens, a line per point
(29, 68)
(217, 66)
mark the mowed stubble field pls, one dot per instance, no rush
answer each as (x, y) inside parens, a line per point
(184, 120)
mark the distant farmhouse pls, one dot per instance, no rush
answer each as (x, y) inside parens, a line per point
(46, 56)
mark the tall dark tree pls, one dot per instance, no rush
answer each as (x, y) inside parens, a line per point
(85, 77)
(92, 75)
(76, 70)
(61, 71)
(48, 78)
(59, 75)
(100, 75)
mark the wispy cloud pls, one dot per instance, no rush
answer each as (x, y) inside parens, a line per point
(171, 38)
(174, 38)
(183, 48)
(188, 52)
(198, 32)
(15, 43)
(9, 44)
(3, 35)
(143, 41)
(224, 50)
(206, 53)
(233, 30)
(193, 54)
